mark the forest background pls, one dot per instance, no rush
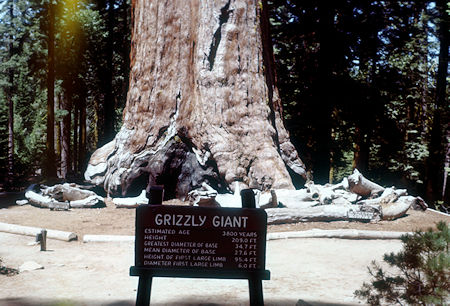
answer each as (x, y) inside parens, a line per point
(363, 85)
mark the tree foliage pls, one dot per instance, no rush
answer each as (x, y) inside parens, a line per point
(380, 103)
(79, 90)
(421, 272)
(21, 31)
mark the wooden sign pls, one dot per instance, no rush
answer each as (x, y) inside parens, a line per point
(200, 238)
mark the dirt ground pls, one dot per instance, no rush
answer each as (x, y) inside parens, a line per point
(317, 271)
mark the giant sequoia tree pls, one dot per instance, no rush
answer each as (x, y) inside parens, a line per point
(202, 104)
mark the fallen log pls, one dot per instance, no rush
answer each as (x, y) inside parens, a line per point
(347, 196)
(33, 231)
(322, 213)
(108, 238)
(287, 198)
(339, 200)
(389, 195)
(419, 204)
(313, 191)
(397, 209)
(131, 202)
(339, 233)
(204, 196)
(360, 185)
(67, 192)
(342, 185)
(228, 200)
(324, 194)
(38, 200)
(89, 202)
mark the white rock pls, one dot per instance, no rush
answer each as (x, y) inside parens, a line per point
(22, 202)
(30, 266)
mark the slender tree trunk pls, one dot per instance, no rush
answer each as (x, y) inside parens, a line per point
(76, 128)
(321, 168)
(82, 135)
(200, 105)
(442, 97)
(58, 136)
(109, 99)
(446, 184)
(361, 151)
(65, 131)
(50, 143)
(365, 120)
(10, 174)
(438, 144)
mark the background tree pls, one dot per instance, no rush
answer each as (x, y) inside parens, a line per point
(10, 93)
(18, 85)
(80, 36)
(115, 64)
(439, 142)
(380, 94)
(50, 165)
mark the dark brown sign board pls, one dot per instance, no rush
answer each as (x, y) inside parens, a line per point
(200, 242)
(200, 238)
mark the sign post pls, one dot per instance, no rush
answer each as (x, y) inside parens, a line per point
(201, 242)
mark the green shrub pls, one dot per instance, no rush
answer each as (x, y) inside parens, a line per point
(7, 271)
(421, 276)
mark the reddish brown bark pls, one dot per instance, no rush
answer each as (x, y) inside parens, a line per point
(199, 107)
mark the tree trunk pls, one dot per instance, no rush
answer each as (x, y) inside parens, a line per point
(65, 138)
(323, 129)
(436, 158)
(10, 174)
(445, 184)
(82, 135)
(109, 99)
(441, 93)
(50, 142)
(201, 106)
(33, 231)
(361, 150)
(322, 213)
(76, 127)
(58, 140)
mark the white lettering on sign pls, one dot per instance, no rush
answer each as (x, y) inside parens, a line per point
(180, 220)
(199, 220)
(230, 221)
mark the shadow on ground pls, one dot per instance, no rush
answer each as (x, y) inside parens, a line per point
(8, 199)
(49, 302)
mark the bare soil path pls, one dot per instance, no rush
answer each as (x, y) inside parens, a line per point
(318, 271)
